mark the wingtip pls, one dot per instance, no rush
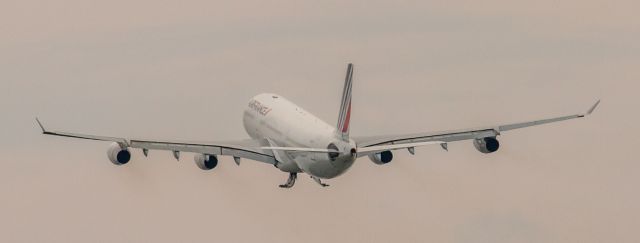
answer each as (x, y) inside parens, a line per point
(593, 108)
(41, 126)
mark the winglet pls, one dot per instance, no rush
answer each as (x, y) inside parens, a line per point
(593, 108)
(41, 126)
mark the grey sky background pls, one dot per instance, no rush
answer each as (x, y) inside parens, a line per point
(185, 70)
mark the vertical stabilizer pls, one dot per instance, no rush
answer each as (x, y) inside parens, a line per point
(345, 108)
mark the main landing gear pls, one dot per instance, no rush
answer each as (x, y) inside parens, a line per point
(291, 181)
(317, 180)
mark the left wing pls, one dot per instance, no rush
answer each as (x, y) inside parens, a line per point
(368, 145)
(248, 149)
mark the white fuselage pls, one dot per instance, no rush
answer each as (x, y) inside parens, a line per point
(270, 117)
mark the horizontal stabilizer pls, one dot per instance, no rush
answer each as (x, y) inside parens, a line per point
(294, 149)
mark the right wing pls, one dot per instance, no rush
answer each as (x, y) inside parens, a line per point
(369, 145)
(248, 149)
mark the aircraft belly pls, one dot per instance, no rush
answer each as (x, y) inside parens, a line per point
(324, 169)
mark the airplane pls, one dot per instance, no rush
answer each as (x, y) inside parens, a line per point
(295, 141)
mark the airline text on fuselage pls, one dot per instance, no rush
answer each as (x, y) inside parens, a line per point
(259, 107)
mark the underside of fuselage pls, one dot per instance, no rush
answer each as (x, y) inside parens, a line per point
(325, 168)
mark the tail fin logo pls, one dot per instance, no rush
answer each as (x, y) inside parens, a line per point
(347, 120)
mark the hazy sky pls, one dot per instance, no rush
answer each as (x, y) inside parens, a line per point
(186, 69)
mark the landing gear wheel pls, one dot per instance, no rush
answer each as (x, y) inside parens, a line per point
(291, 181)
(317, 180)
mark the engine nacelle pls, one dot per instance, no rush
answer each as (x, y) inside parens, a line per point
(486, 145)
(381, 158)
(205, 161)
(118, 155)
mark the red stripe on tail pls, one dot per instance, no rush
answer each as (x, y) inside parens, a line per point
(345, 127)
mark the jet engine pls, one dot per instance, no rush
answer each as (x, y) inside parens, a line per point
(381, 158)
(486, 145)
(118, 155)
(206, 162)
